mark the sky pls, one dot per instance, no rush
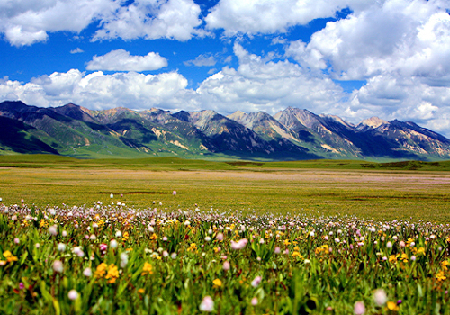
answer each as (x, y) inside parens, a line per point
(351, 58)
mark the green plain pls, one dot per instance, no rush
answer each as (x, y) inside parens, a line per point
(402, 190)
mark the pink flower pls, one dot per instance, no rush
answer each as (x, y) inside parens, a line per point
(254, 301)
(226, 266)
(219, 236)
(72, 295)
(359, 308)
(239, 244)
(257, 281)
(16, 240)
(277, 250)
(207, 304)
(103, 247)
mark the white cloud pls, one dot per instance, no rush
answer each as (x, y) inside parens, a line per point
(25, 22)
(205, 60)
(405, 37)
(77, 51)
(28, 21)
(270, 16)
(153, 19)
(259, 85)
(121, 60)
(99, 91)
(402, 98)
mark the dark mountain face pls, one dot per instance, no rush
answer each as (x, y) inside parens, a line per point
(289, 134)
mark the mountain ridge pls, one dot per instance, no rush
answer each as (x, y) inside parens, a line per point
(291, 134)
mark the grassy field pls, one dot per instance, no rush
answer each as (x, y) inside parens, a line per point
(404, 190)
(311, 237)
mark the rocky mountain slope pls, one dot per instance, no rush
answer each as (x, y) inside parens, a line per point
(290, 134)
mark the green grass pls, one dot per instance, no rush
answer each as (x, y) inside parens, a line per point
(319, 187)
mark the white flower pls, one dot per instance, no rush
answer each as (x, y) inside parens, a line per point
(114, 243)
(58, 266)
(61, 247)
(207, 304)
(118, 233)
(379, 297)
(187, 222)
(64, 233)
(123, 259)
(72, 295)
(87, 272)
(78, 251)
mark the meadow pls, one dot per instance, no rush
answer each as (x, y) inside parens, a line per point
(173, 236)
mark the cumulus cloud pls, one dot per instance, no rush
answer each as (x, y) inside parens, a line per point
(100, 91)
(28, 21)
(260, 85)
(410, 38)
(262, 16)
(121, 60)
(402, 98)
(204, 60)
(150, 19)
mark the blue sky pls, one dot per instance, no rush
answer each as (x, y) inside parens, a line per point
(351, 58)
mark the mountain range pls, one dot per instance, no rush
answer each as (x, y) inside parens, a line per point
(291, 134)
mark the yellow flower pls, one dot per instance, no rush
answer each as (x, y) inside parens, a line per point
(147, 270)
(192, 248)
(141, 290)
(393, 259)
(113, 273)
(217, 283)
(154, 236)
(444, 264)
(409, 241)
(125, 236)
(286, 242)
(404, 258)
(392, 306)
(296, 254)
(9, 256)
(440, 276)
(100, 270)
(216, 249)
(296, 248)
(42, 223)
(421, 251)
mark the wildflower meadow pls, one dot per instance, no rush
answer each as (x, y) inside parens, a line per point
(112, 259)
(82, 237)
